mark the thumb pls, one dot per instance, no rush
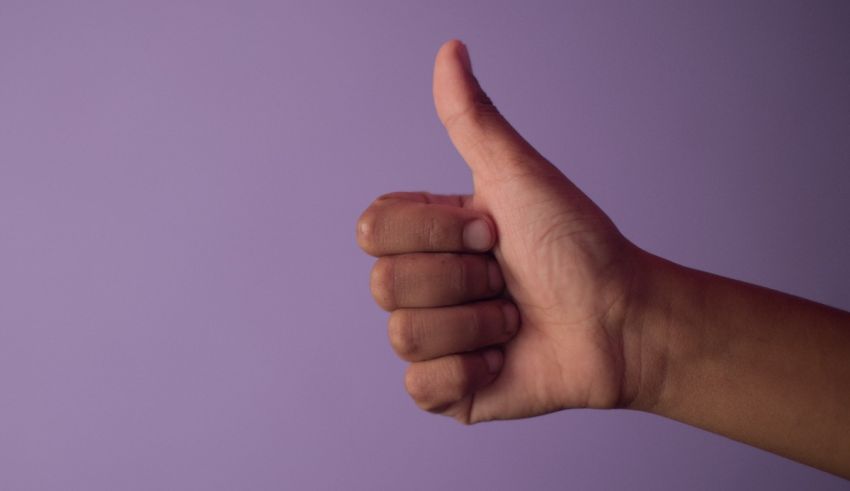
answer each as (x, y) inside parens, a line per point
(490, 145)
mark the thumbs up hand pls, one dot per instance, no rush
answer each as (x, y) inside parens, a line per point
(515, 301)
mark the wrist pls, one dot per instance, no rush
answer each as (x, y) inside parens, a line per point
(650, 335)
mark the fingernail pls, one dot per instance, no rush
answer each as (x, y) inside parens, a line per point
(494, 276)
(477, 235)
(493, 358)
(511, 316)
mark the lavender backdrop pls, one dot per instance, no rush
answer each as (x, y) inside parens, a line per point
(182, 304)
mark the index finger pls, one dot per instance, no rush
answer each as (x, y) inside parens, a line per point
(402, 223)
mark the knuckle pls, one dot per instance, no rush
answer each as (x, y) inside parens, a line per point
(403, 336)
(382, 283)
(367, 226)
(418, 387)
(429, 390)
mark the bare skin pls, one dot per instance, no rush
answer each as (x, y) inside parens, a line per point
(523, 298)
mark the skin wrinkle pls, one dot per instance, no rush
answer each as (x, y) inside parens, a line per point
(515, 161)
(461, 277)
(476, 328)
(395, 332)
(412, 337)
(433, 243)
(467, 414)
(450, 121)
(393, 282)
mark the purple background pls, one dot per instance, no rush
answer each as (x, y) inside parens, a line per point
(182, 303)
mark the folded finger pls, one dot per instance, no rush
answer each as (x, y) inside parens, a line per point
(434, 280)
(401, 223)
(444, 385)
(424, 334)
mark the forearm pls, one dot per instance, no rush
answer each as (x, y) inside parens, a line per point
(753, 364)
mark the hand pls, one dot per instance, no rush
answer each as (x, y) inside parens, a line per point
(514, 301)
(523, 299)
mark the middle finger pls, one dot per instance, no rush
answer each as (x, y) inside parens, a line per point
(434, 280)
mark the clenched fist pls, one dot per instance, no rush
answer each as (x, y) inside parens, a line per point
(512, 301)
(523, 298)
